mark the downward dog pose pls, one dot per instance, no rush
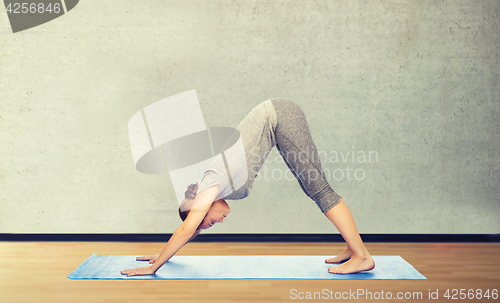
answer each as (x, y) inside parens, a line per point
(280, 123)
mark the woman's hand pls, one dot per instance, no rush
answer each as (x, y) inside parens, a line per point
(191, 191)
(148, 270)
(151, 259)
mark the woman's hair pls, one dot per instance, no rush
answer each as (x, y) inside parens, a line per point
(190, 193)
(183, 214)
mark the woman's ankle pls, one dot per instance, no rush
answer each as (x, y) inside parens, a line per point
(361, 254)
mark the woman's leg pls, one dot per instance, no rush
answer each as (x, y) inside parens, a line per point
(295, 144)
(356, 252)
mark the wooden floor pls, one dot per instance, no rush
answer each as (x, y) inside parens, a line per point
(37, 272)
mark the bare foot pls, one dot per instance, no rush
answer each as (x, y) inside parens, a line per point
(346, 255)
(354, 265)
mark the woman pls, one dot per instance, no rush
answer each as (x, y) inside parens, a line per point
(280, 123)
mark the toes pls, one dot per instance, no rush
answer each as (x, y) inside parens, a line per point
(333, 270)
(337, 272)
(335, 260)
(332, 260)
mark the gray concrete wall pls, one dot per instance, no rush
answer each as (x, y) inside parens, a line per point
(414, 82)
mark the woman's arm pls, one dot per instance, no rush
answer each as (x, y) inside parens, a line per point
(197, 232)
(152, 258)
(183, 234)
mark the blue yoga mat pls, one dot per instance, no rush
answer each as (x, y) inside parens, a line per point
(242, 268)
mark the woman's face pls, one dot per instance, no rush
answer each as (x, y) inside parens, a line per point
(216, 214)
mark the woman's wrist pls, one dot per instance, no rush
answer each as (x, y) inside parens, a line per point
(154, 268)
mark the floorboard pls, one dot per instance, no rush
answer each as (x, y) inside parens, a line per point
(37, 272)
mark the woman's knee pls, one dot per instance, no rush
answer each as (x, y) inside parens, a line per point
(326, 199)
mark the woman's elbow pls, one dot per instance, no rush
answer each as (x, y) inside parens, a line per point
(184, 230)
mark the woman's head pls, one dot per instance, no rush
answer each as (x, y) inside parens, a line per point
(216, 214)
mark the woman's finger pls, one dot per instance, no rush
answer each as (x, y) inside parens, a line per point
(131, 273)
(144, 258)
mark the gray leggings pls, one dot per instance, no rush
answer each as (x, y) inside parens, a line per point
(294, 143)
